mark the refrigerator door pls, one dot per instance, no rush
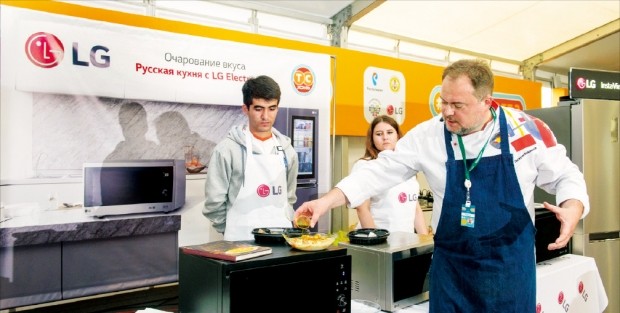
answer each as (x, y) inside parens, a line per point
(599, 150)
(304, 132)
(301, 125)
(607, 256)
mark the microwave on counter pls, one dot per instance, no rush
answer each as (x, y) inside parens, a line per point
(392, 274)
(287, 280)
(133, 186)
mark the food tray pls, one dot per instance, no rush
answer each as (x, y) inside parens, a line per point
(309, 241)
(272, 234)
(368, 236)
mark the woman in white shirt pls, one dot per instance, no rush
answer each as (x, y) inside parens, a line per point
(398, 209)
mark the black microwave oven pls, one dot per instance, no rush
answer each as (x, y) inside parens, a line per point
(287, 280)
(133, 186)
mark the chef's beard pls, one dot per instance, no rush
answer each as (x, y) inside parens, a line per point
(462, 131)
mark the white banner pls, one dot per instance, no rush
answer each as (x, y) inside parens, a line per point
(64, 79)
(62, 54)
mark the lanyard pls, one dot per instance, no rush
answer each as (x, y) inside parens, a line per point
(473, 165)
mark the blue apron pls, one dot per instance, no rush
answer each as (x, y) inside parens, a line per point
(490, 267)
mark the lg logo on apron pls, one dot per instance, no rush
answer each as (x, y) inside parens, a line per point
(404, 197)
(264, 190)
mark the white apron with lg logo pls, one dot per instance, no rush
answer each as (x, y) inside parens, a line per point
(263, 199)
(396, 210)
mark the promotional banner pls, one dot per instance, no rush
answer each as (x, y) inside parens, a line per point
(75, 56)
(384, 94)
(88, 91)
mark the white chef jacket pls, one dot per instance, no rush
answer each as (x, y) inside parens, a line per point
(539, 161)
(394, 210)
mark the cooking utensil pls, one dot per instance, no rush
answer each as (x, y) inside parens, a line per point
(303, 222)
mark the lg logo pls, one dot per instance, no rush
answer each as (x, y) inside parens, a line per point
(46, 50)
(404, 197)
(583, 83)
(264, 190)
(391, 110)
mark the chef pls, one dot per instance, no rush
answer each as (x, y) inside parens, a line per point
(482, 162)
(252, 174)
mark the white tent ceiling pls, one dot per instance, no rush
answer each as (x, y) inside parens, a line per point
(548, 35)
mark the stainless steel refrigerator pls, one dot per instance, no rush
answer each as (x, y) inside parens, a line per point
(589, 129)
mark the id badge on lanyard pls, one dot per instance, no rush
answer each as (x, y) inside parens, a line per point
(468, 210)
(468, 215)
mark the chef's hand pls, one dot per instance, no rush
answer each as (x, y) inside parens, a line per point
(318, 207)
(568, 213)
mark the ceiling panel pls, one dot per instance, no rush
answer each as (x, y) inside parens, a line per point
(514, 30)
(603, 54)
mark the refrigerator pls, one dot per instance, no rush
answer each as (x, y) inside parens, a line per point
(302, 127)
(589, 130)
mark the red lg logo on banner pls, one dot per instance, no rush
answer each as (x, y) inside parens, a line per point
(44, 50)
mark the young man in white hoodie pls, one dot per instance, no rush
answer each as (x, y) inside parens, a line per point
(247, 188)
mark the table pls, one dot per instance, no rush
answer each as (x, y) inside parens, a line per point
(569, 283)
(62, 254)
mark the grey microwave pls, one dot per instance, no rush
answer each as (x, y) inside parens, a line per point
(133, 186)
(392, 274)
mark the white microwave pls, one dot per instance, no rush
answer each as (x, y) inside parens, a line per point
(133, 186)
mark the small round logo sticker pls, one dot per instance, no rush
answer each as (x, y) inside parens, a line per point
(394, 84)
(44, 50)
(262, 190)
(374, 107)
(303, 80)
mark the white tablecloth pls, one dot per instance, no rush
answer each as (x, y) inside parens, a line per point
(569, 283)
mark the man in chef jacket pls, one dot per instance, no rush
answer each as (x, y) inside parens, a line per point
(482, 162)
(252, 175)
